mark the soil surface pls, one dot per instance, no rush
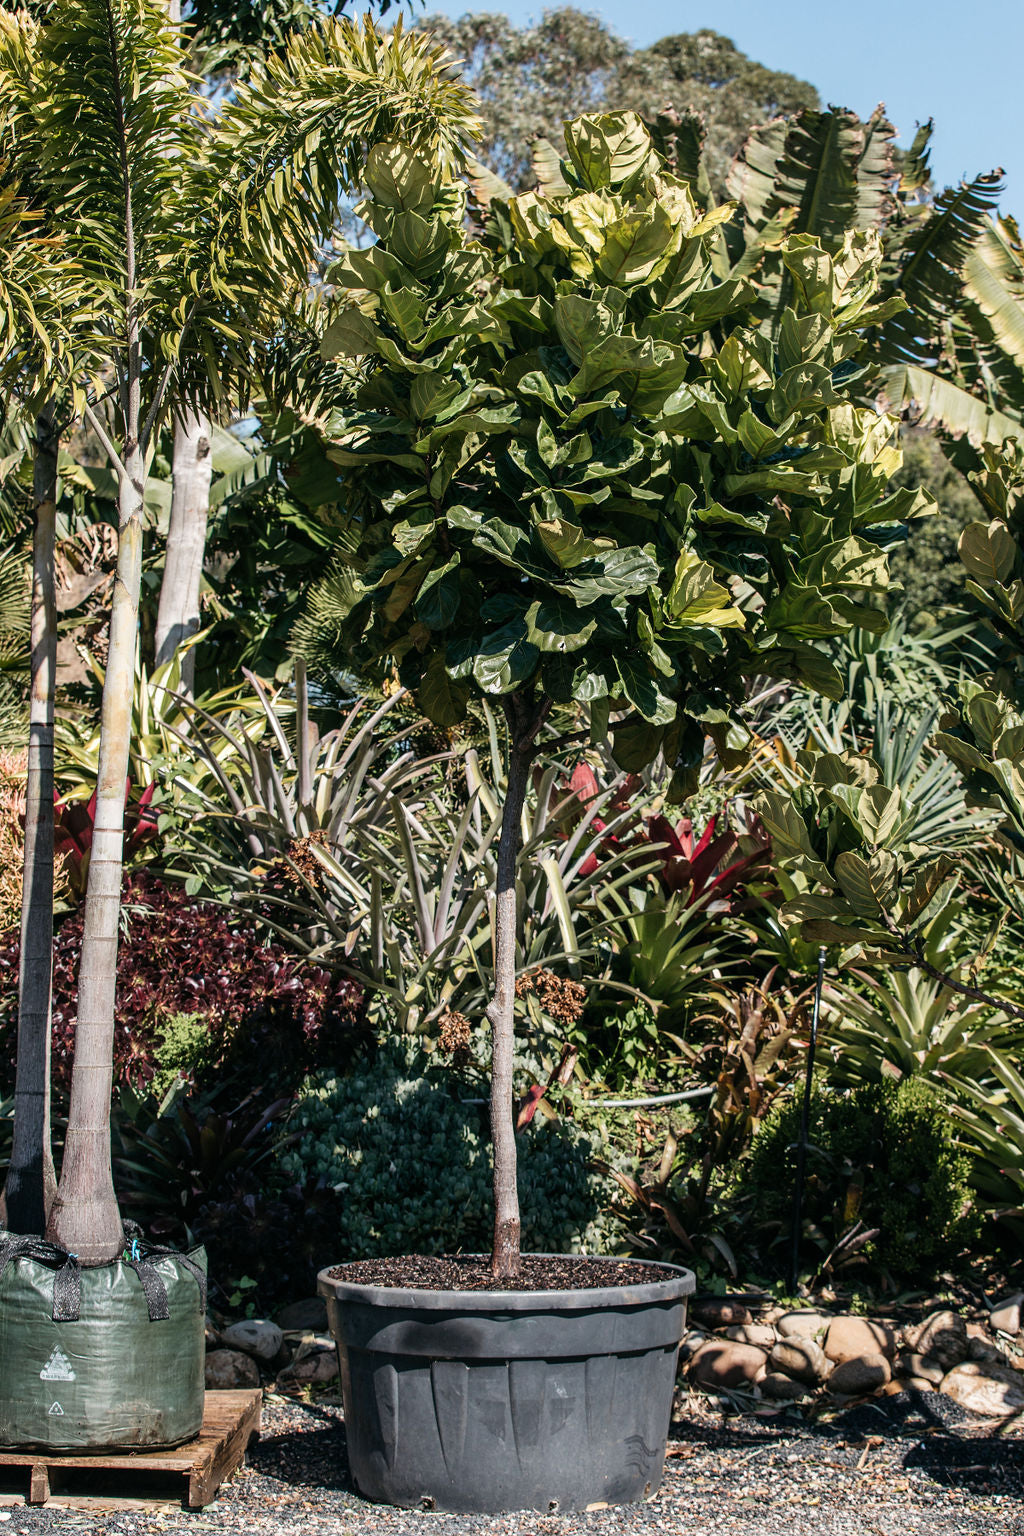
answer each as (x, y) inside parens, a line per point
(472, 1272)
(903, 1466)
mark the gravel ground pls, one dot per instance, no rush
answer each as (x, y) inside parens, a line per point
(902, 1466)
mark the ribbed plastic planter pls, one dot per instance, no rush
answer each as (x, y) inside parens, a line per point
(485, 1401)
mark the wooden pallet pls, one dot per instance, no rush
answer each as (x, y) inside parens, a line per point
(189, 1476)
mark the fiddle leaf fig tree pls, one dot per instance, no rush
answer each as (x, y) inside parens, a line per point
(580, 472)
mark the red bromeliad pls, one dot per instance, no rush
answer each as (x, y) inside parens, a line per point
(703, 862)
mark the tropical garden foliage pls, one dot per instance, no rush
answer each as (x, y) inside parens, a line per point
(606, 591)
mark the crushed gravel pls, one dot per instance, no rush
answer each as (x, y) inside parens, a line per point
(907, 1465)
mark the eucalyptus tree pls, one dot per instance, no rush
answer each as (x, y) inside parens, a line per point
(186, 234)
(531, 78)
(578, 471)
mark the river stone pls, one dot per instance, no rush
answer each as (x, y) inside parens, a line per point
(1006, 1318)
(802, 1359)
(227, 1369)
(922, 1367)
(982, 1387)
(256, 1336)
(725, 1363)
(860, 1374)
(981, 1348)
(804, 1324)
(943, 1336)
(848, 1338)
(718, 1312)
(305, 1316)
(317, 1368)
(752, 1333)
(782, 1388)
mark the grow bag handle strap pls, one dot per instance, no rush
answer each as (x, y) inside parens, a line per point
(67, 1282)
(153, 1287)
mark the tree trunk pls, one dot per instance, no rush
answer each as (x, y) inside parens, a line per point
(523, 724)
(192, 472)
(85, 1217)
(31, 1183)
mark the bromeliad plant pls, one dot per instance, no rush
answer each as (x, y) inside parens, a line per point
(580, 472)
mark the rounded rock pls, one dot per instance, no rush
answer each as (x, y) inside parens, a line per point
(850, 1338)
(783, 1389)
(982, 1387)
(255, 1336)
(943, 1336)
(908, 1363)
(805, 1324)
(718, 1312)
(308, 1316)
(1006, 1318)
(316, 1368)
(724, 1363)
(802, 1359)
(752, 1333)
(227, 1369)
(860, 1374)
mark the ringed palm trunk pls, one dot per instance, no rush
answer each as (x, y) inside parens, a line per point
(178, 612)
(84, 1217)
(31, 1182)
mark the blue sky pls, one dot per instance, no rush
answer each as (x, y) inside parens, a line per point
(958, 61)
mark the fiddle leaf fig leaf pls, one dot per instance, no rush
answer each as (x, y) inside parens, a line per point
(988, 551)
(582, 465)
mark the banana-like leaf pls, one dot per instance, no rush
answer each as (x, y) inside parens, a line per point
(936, 401)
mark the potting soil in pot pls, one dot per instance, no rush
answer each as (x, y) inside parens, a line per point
(99, 1358)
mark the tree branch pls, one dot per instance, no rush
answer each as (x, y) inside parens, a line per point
(107, 442)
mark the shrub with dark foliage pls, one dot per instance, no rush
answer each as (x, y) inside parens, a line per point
(269, 1013)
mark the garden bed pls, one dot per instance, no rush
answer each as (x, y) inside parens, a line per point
(909, 1464)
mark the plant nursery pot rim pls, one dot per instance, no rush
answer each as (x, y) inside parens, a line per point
(679, 1283)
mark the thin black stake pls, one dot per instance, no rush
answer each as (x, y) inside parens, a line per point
(805, 1119)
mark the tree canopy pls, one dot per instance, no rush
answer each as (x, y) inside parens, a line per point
(531, 79)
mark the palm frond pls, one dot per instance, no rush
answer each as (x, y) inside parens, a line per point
(930, 270)
(833, 169)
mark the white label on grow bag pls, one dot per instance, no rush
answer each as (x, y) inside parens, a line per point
(56, 1408)
(57, 1368)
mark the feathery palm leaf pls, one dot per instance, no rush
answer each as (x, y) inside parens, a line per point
(930, 270)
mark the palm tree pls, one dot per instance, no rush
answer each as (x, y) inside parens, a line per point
(188, 235)
(38, 285)
(239, 36)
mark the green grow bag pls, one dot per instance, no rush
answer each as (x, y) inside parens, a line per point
(100, 1358)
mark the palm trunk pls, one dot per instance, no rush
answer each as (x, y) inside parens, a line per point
(523, 724)
(31, 1183)
(85, 1216)
(192, 472)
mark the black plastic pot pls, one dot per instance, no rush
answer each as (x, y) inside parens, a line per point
(485, 1401)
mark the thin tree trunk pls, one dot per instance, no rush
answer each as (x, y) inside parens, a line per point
(85, 1217)
(523, 724)
(178, 612)
(31, 1183)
